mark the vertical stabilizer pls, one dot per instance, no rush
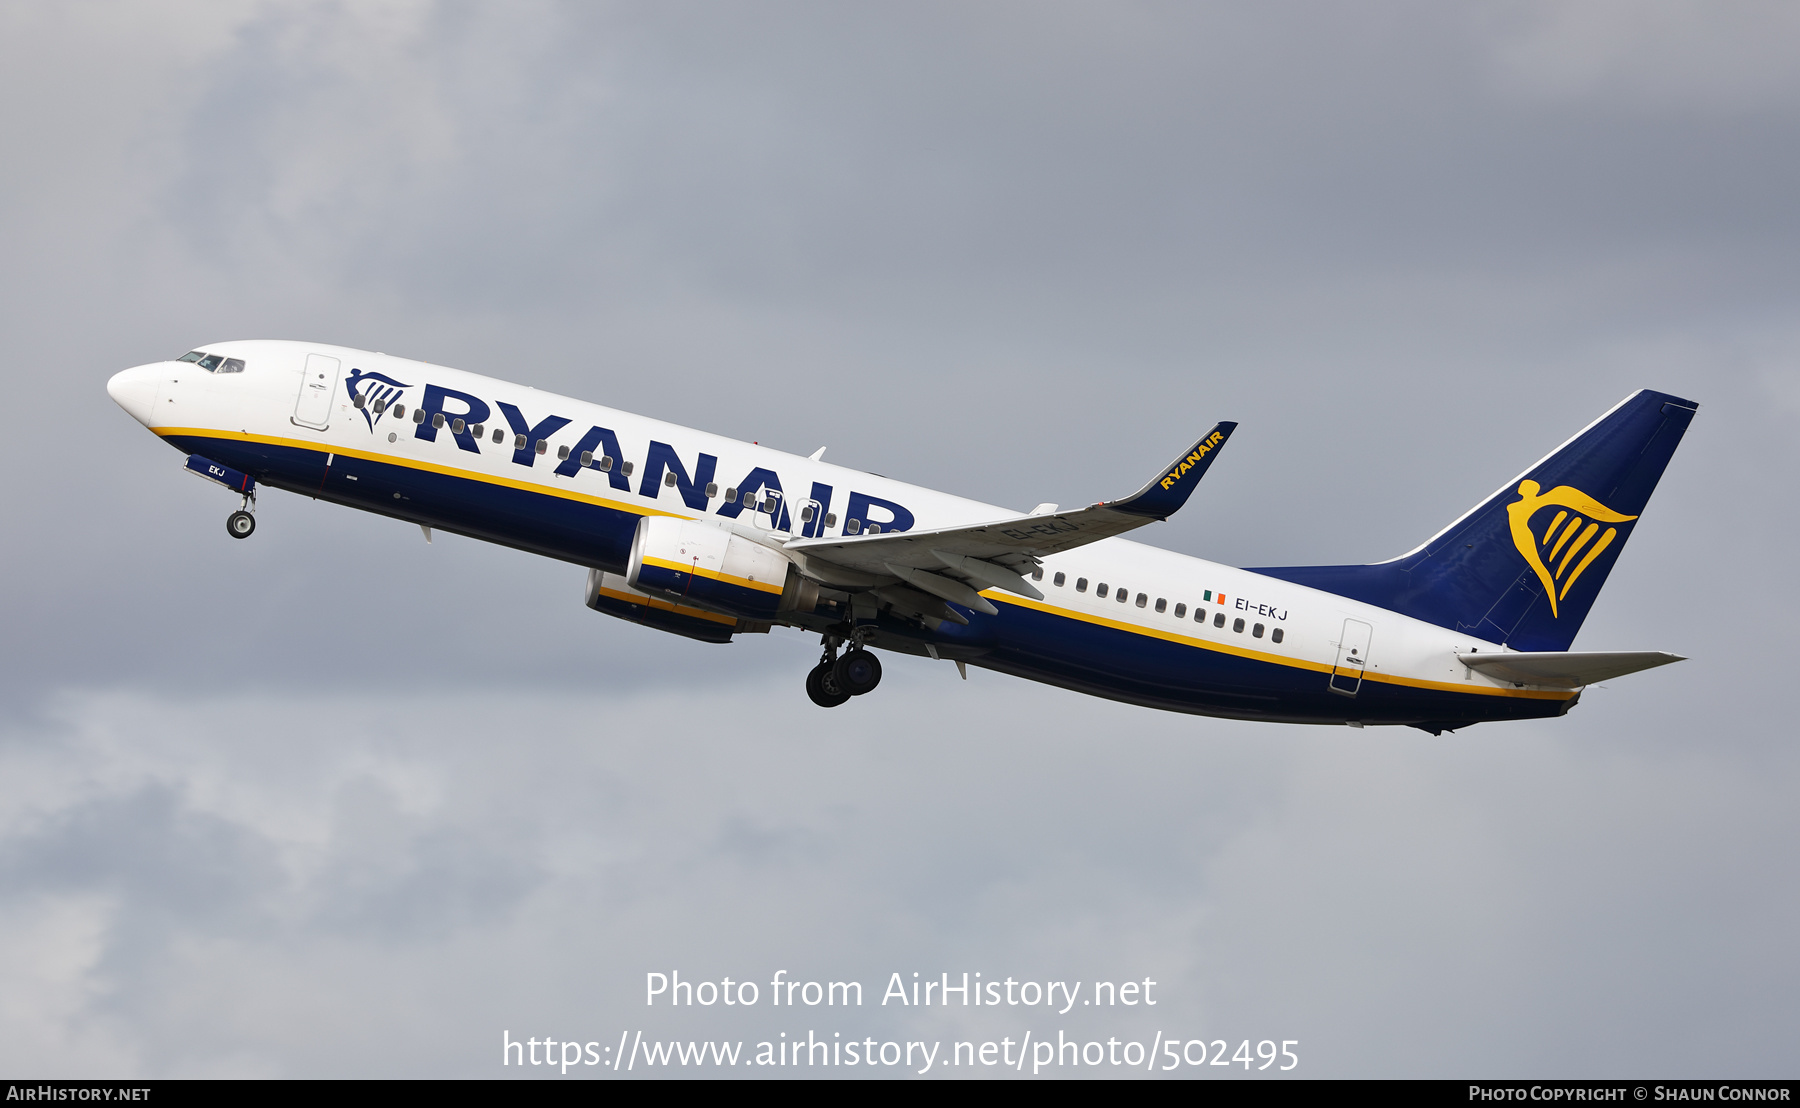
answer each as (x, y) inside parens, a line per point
(1524, 567)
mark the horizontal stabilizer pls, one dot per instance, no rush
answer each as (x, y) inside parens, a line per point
(1565, 669)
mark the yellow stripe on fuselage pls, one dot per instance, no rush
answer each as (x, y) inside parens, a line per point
(422, 466)
(1262, 656)
(991, 594)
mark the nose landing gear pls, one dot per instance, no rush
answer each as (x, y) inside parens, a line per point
(835, 680)
(242, 523)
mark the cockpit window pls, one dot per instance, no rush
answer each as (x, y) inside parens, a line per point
(192, 356)
(231, 365)
(210, 362)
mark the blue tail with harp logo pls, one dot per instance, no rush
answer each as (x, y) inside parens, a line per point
(1524, 566)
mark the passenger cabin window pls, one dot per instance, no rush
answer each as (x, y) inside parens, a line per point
(712, 489)
(831, 519)
(419, 415)
(562, 455)
(1275, 635)
(457, 425)
(1180, 611)
(1059, 579)
(399, 411)
(807, 511)
(1161, 605)
(853, 526)
(587, 458)
(1143, 599)
(518, 442)
(874, 528)
(627, 468)
(543, 446)
(730, 494)
(231, 365)
(380, 406)
(668, 476)
(1238, 626)
(1100, 590)
(606, 463)
(437, 420)
(499, 435)
(358, 400)
(1037, 574)
(1219, 620)
(1081, 584)
(1257, 631)
(478, 430)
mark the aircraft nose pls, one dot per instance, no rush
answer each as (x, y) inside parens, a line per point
(134, 390)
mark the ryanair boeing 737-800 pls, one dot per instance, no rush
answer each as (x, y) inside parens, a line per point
(710, 537)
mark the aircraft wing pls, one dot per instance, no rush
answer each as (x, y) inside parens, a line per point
(1566, 669)
(947, 561)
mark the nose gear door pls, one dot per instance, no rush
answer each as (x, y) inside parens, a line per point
(317, 384)
(1352, 656)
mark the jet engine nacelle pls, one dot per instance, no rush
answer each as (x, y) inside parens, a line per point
(608, 593)
(704, 565)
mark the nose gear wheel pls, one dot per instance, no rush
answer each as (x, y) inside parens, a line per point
(242, 523)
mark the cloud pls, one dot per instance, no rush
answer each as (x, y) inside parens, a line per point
(378, 885)
(1666, 55)
(253, 824)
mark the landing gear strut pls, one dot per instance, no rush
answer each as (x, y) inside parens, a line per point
(835, 680)
(821, 682)
(242, 523)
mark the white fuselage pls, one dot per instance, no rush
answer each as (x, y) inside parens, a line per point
(1154, 596)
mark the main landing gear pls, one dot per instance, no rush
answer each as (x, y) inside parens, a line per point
(241, 524)
(835, 680)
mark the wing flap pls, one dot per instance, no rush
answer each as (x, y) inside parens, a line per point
(1566, 669)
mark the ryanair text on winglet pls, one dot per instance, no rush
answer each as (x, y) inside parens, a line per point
(1193, 459)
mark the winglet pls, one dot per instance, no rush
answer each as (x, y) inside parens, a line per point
(1170, 489)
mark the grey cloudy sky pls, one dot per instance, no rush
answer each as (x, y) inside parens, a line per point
(254, 820)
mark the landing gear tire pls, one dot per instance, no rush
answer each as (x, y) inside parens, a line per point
(239, 525)
(822, 687)
(857, 672)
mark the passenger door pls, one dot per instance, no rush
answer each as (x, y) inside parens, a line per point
(1352, 657)
(317, 385)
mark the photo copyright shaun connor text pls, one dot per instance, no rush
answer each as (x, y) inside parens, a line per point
(1032, 1051)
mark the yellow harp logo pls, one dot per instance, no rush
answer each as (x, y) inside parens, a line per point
(1571, 533)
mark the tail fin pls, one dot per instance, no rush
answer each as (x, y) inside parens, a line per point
(1523, 567)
